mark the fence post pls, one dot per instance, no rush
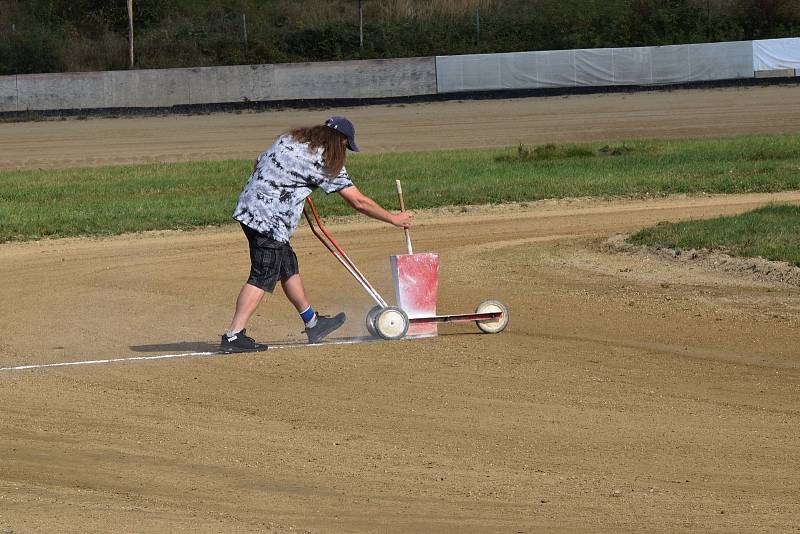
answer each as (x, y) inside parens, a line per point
(360, 25)
(244, 30)
(130, 30)
(477, 24)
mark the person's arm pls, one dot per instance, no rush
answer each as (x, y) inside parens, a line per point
(363, 204)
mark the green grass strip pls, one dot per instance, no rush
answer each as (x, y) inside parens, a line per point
(114, 200)
(771, 232)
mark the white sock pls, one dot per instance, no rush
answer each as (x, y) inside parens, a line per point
(313, 322)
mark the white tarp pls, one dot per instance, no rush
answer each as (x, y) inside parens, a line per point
(776, 54)
(595, 67)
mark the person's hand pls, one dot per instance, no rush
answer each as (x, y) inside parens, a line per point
(402, 219)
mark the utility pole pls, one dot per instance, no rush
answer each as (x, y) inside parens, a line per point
(477, 25)
(360, 26)
(130, 30)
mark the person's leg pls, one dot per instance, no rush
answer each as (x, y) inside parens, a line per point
(249, 298)
(295, 292)
(317, 326)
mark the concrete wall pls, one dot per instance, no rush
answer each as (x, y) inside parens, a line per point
(8, 93)
(392, 77)
(64, 91)
(355, 79)
(149, 88)
(211, 85)
(238, 83)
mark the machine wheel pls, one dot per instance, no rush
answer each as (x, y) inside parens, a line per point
(371, 320)
(391, 323)
(492, 326)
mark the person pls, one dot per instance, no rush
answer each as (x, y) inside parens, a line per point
(269, 210)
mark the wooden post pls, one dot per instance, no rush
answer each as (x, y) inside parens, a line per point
(130, 30)
(477, 24)
(360, 25)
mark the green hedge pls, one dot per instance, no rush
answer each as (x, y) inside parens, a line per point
(70, 35)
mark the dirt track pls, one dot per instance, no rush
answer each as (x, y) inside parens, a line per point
(628, 394)
(490, 123)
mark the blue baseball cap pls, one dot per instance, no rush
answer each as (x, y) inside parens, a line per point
(346, 128)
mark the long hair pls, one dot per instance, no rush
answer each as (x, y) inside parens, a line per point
(333, 150)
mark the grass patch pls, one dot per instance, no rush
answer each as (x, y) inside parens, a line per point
(548, 151)
(771, 232)
(567, 151)
(113, 200)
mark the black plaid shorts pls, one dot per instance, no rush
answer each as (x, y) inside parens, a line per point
(270, 260)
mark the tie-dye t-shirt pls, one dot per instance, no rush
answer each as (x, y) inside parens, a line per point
(284, 175)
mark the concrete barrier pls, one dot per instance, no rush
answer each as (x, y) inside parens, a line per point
(74, 90)
(355, 79)
(8, 93)
(388, 78)
(150, 88)
(238, 83)
(214, 85)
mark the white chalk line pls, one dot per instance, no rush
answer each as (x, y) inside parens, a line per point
(180, 355)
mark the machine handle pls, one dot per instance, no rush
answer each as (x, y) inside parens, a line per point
(403, 208)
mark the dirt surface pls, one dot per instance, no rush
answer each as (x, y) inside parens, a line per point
(468, 124)
(630, 393)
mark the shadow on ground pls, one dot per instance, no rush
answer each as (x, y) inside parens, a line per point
(183, 346)
(205, 346)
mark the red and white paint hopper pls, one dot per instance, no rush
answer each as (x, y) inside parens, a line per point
(416, 283)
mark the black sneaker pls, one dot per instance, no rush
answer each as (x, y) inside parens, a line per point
(325, 325)
(240, 342)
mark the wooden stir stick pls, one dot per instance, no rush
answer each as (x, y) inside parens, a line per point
(403, 208)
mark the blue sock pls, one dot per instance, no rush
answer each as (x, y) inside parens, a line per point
(308, 316)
